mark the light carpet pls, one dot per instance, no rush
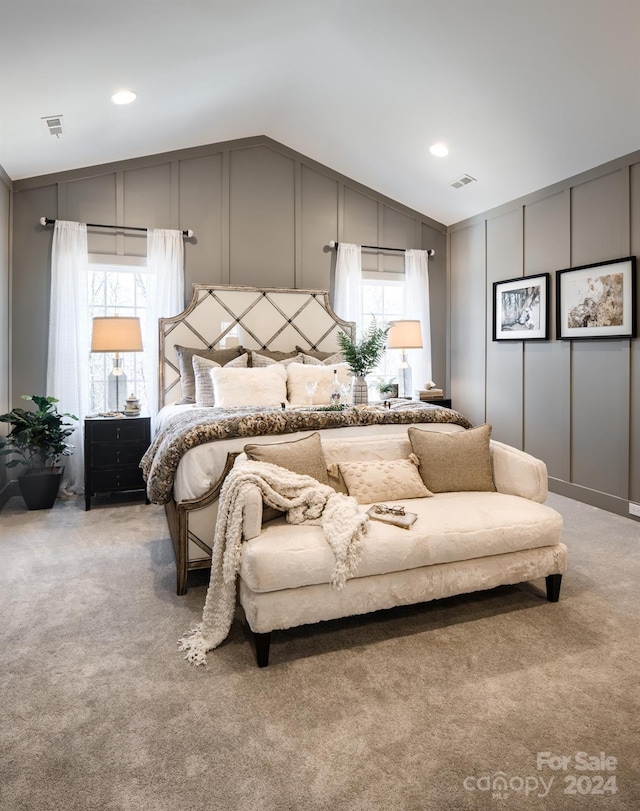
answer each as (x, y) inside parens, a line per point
(440, 706)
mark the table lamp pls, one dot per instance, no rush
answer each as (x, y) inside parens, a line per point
(405, 335)
(116, 334)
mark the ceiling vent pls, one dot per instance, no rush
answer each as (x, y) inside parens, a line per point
(53, 123)
(461, 181)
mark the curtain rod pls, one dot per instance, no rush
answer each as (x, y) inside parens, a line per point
(334, 244)
(47, 221)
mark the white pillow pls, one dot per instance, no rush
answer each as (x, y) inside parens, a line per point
(204, 384)
(262, 386)
(299, 374)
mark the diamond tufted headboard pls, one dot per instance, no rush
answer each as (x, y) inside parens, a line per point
(221, 316)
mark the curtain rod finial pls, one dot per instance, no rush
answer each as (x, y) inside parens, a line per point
(332, 243)
(43, 221)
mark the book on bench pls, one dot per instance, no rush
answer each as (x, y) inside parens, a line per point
(405, 521)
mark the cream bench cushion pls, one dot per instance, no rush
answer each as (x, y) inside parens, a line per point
(450, 527)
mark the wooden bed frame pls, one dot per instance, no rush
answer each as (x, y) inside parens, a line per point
(218, 317)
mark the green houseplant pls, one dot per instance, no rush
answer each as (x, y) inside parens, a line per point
(38, 440)
(363, 356)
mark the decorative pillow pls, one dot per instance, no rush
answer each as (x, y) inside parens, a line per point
(187, 379)
(204, 385)
(259, 359)
(316, 354)
(266, 386)
(454, 462)
(303, 456)
(329, 360)
(299, 374)
(387, 480)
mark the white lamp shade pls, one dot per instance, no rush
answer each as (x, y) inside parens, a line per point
(116, 334)
(405, 335)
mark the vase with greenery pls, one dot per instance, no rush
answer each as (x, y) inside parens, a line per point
(37, 440)
(363, 356)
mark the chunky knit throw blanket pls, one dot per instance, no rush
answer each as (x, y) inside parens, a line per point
(306, 501)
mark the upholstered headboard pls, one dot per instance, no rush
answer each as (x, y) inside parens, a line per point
(221, 316)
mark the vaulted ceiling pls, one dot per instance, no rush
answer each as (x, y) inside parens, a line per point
(525, 93)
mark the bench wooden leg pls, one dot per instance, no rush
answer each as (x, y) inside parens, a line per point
(553, 587)
(263, 641)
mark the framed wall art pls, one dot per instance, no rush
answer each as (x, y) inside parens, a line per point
(597, 301)
(521, 308)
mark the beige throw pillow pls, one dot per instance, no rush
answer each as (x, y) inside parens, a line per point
(455, 462)
(259, 359)
(203, 382)
(304, 456)
(185, 355)
(389, 480)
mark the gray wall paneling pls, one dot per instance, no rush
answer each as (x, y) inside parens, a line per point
(547, 363)
(5, 321)
(438, 297)
(579, 401)
(504, 359)
(600, 231)
(31, 274)
(318, 225)
(201, 196)
(634, 400)
(262, 215)
(261, 232)
(468, 328)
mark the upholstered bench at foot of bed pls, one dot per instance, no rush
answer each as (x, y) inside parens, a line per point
(461, 542)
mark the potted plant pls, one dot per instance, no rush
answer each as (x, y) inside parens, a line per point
(388, 388)
(38, 439)
(363, 356)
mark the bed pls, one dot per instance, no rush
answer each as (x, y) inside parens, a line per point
(285, 334)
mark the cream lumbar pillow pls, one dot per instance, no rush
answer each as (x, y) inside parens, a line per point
(299, 374)
(304, 456)
(388, 480)
(204, 383)
(266, 386)
(455, 462)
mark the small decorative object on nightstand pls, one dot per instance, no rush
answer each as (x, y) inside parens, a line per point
(113, 448)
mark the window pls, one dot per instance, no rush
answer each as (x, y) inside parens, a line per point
(117, 289)
(384, 301)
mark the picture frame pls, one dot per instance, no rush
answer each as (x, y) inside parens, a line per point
(597, 300)
(521, 308)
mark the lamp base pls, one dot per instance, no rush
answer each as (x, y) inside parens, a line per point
(404, 378)
(116, 387)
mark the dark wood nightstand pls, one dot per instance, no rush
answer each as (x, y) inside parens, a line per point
(113, 448)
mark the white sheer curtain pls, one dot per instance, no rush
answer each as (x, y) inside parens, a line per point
(165, 264)
(416, 274)
(348, 284)
(69, 343)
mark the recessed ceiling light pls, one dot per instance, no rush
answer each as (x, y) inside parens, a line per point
(440, 150)
(123, 97)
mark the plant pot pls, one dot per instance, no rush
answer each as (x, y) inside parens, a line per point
(360, 391)
(39, 488)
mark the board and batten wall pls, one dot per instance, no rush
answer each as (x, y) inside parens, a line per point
(5, 320)
(262, 215)
(575, 404)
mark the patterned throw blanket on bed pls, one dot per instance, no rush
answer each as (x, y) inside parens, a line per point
(202, 425)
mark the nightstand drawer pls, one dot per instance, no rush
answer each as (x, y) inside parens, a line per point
(122, 430)
(127, 453)
(125, 478)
